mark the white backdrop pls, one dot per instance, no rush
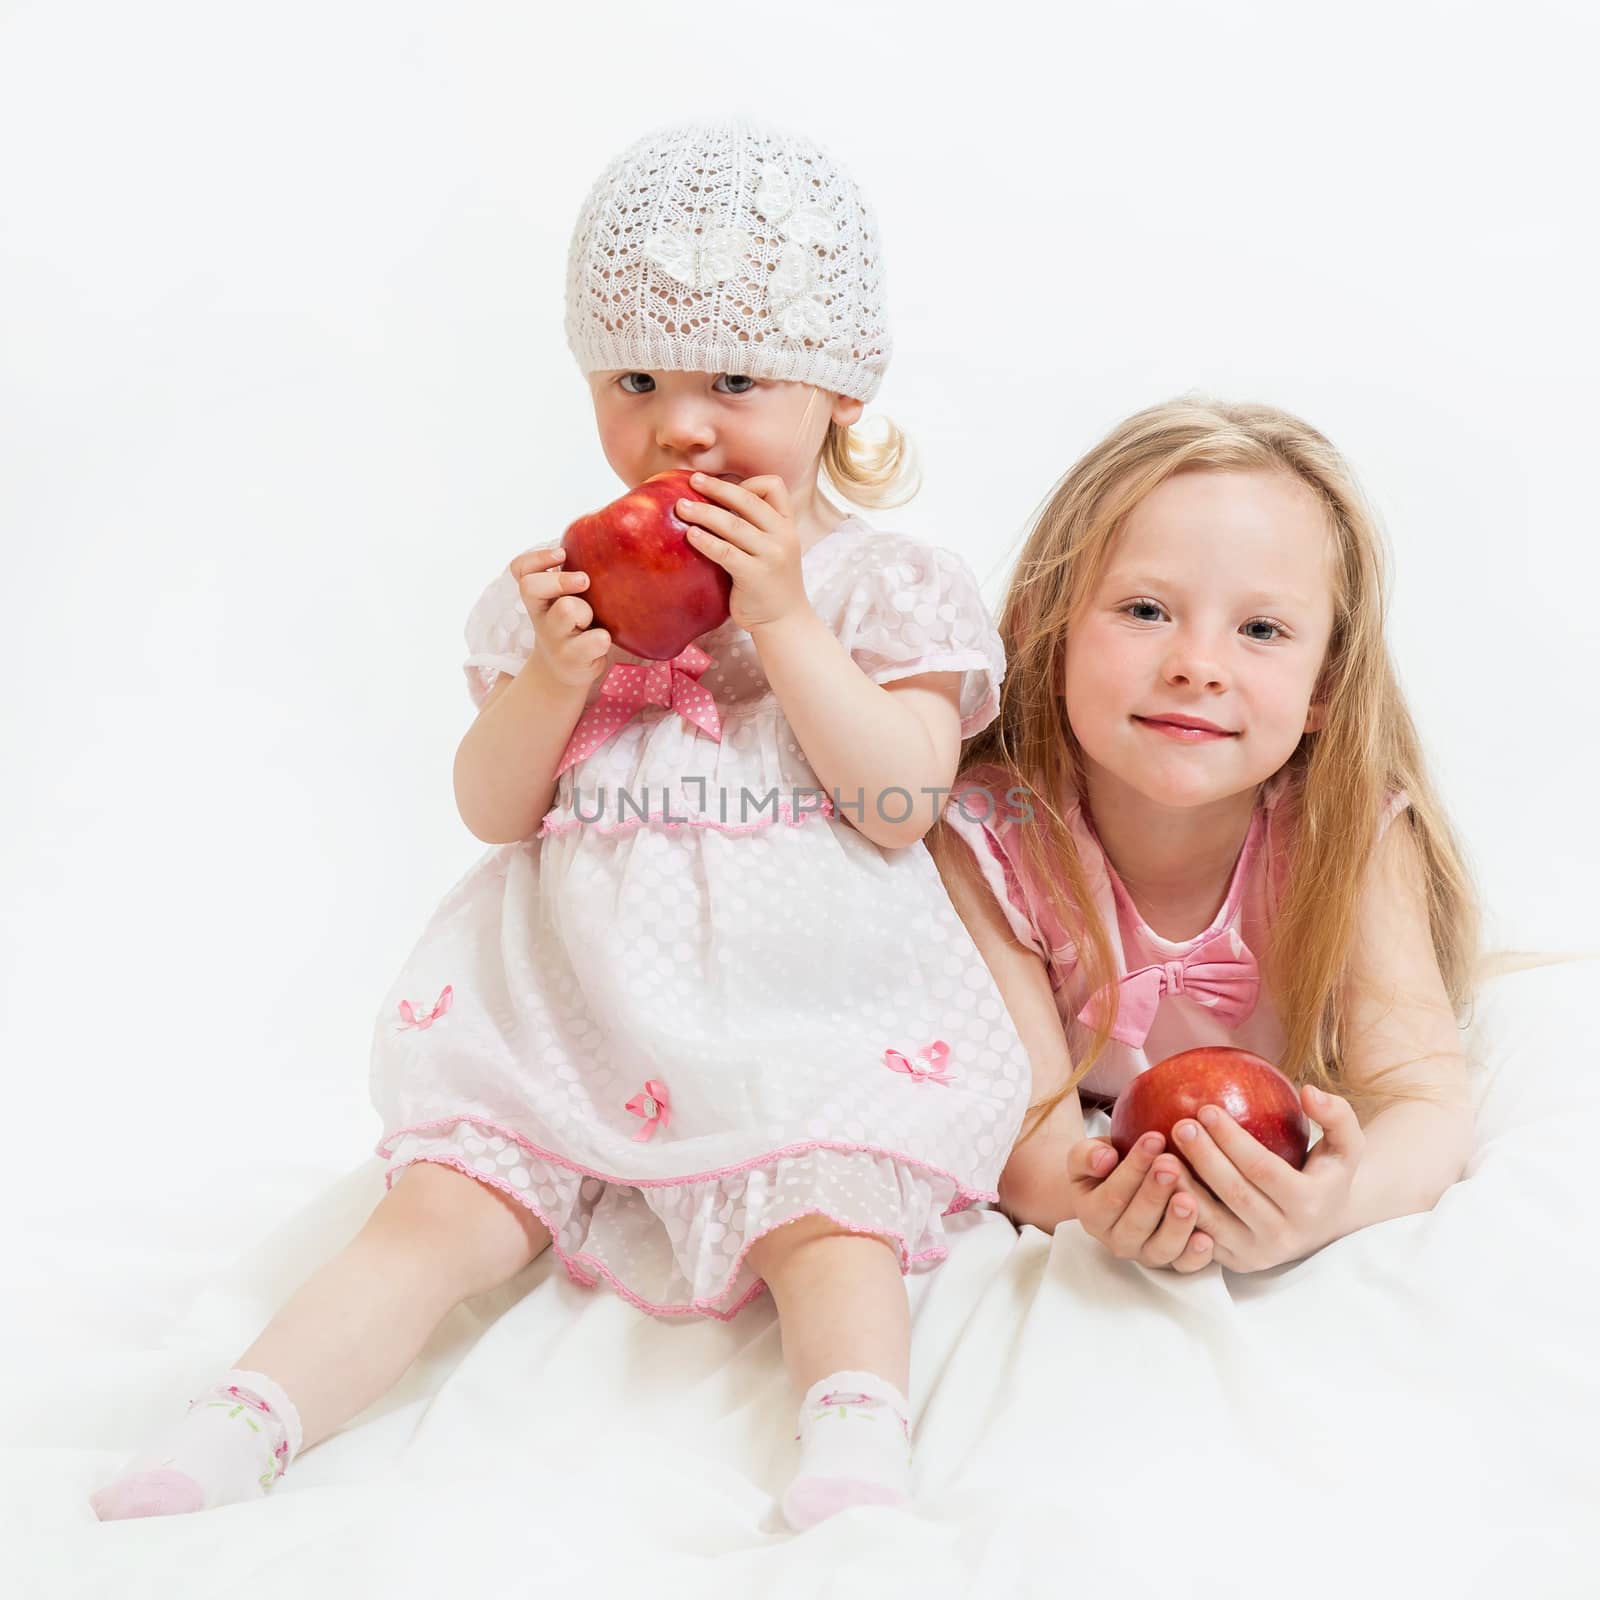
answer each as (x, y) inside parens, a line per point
(283, 384)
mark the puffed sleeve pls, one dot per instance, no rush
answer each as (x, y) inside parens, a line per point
(499, 636)
(978, 813)
(916, 608)
(988, 810)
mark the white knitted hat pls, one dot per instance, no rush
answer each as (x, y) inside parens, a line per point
(729, 247)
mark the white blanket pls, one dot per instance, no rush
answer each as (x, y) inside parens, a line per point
(1410, 1411)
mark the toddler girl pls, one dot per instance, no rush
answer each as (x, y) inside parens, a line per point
(704, 1021)
(1202, 817)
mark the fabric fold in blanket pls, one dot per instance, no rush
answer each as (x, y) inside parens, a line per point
(1410, 1410)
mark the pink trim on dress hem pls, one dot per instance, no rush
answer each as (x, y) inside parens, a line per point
(706, 1308)
(966, 1196)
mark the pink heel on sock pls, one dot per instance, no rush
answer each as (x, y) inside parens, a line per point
(809, 1501)
(157, 1493)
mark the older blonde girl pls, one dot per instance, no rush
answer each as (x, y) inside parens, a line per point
(1203, 816)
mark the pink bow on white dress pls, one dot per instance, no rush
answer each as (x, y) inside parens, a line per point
(627, 688)
(653, 1105)
(425, 1019)
(928, 1067)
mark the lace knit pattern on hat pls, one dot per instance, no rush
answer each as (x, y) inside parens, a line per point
(729, 247)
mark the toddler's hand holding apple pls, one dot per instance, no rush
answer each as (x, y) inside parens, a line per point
(749, 530)
(567, 648)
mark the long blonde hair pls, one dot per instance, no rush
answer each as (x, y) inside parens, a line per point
(1338, 778)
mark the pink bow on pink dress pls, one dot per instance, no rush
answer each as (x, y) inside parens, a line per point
(1220, 974)
(628, 688)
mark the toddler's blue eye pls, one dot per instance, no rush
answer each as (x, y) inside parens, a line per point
(627, 385)
(740, 378)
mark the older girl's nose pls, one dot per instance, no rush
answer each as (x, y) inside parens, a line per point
(1192, 664)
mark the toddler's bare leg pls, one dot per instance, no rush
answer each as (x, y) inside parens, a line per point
(351, 1330)
(846, 1326)
(436, 1238)
(841, 1301)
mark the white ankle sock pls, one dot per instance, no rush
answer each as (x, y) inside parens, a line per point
(237, 1439)
(855, 1448)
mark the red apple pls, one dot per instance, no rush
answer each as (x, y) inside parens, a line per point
(649, 588)
(1252, 1091)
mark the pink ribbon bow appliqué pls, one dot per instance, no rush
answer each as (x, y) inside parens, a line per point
(652, 1104)
(425, 1019)
(628, 688)
(928, 1067)
(1220, 974)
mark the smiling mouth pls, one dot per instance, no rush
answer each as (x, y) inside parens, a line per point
(1189, 732)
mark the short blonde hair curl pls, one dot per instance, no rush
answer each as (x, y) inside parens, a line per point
(871, 470)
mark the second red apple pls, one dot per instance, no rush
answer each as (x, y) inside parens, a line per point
(1250, 1089)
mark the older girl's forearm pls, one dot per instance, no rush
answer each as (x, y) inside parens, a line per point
(860, 743)
(1413, 1153)
(1044, 1200)
(506, 763)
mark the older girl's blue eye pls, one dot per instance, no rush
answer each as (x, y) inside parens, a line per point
(1148, 605)
(1262, 622)
(627, 385)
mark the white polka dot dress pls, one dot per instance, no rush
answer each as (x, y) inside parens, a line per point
(699, 1003)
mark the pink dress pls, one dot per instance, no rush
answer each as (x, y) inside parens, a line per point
(1176, 993)
(698, 1003)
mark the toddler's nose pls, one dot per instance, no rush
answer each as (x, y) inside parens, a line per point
(683, 431)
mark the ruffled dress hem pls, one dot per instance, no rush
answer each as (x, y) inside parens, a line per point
(712, 1218)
